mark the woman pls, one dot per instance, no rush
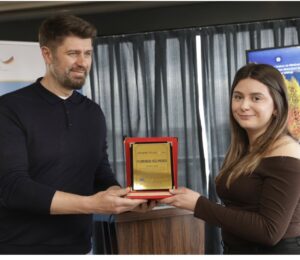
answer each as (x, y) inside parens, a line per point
(259, 182)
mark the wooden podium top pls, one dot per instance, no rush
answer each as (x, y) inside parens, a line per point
(156, 213)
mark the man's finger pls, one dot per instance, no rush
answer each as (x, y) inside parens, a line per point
(120, 192)
(132, 202)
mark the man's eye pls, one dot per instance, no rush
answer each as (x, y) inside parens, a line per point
(72, 54)
(88, 54)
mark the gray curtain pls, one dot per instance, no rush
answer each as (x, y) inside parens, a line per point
(146, 85)
(223, 52)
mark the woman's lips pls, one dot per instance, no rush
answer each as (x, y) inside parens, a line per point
(245, 117)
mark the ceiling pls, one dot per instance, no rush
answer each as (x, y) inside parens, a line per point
(6, 6)
(14, 10)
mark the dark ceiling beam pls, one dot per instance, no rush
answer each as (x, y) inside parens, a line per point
(34, 10)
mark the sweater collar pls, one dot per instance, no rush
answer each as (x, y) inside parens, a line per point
(75, 98)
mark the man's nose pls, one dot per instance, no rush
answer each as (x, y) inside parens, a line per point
(82, 60)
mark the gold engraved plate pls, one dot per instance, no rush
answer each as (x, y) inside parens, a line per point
(152, 166)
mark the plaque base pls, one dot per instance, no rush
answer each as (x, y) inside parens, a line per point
(151, 195)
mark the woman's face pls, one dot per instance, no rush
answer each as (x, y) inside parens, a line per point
(252, 106)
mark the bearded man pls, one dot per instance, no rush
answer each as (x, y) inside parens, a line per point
(54, 168)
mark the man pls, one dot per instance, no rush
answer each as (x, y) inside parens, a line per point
(54, 169)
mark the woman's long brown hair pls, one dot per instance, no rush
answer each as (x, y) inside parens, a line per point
(240, 160)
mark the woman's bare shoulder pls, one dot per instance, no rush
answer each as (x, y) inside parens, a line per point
(286, 146)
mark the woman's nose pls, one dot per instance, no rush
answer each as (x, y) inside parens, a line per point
(245, 105)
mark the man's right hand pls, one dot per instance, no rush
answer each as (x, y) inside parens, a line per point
(111, 201)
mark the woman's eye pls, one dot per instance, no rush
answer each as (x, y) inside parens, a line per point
(256, 98)
(237, 97)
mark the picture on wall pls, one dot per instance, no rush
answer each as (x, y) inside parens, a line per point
(21, 63)
(287, 61)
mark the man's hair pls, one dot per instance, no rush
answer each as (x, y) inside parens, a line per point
(54, 30)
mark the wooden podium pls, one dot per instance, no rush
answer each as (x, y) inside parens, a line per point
(164, 230)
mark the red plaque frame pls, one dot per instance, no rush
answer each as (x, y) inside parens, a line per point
(152, 194)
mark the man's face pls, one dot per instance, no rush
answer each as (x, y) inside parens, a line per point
(71, 62)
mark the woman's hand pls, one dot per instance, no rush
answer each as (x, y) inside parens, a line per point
(182, 198)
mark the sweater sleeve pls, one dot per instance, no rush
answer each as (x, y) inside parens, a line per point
(18, 190)
(278, 201)
(104, 174)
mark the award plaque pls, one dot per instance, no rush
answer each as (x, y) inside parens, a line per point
(151, 166)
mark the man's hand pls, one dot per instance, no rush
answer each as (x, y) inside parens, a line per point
(183, 198)
(145, 207)
(112, 201)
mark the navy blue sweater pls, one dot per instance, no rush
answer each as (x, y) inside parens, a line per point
(48, 144)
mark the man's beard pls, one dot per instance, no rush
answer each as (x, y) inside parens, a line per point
(68, 82)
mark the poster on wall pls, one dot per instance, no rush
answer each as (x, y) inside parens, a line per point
(287, 61)
(21, 63)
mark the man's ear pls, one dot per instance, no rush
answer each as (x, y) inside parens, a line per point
(47, 55)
